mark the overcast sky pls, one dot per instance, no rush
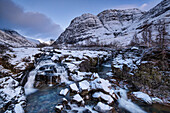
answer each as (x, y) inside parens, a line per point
(45, 19)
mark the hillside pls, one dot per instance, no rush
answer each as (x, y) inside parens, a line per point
(117, 26)
(14, 39)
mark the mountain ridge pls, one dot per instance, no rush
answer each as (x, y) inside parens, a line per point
(113, 25)
(14, 39)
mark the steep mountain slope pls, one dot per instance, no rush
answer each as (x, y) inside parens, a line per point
(116, 26)
(14, 39)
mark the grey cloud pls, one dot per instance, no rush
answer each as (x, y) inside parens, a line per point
(30, 23)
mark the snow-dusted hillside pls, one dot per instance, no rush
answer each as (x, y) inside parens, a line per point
(116, 26)
(34, 41)
(14, 39)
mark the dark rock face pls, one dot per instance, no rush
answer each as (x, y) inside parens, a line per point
(79, 28)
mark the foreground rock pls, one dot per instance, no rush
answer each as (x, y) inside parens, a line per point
(147, 69)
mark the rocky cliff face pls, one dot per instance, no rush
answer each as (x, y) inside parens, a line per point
(115, 26)
(14, 39)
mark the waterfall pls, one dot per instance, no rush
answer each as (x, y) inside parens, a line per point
(126, 103)
(29, 86)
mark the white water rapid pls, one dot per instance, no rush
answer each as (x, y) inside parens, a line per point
(126, 103)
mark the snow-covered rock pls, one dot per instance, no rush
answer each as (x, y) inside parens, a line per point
(59, 108)
(64, 92)
(103, 96)
(12, 94)
(84, 85)
(101, 107)
(78, 99)
(156, 100)
(102, 84)
(145, 97)
(74, 87)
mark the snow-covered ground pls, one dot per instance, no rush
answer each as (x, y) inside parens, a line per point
(20, 57)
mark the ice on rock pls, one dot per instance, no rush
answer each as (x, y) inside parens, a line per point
(84, 85)
(64, 92)
(105, 97)
(74, 87)
(145, 97)
(101, 107)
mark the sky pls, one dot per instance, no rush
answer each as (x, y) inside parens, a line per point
(47, 19)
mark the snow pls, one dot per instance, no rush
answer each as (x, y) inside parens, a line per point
(64, 92)
(105, 97)
(84, 85)
(21, 54)
(74, 87)
(18, 109)
(145, 97)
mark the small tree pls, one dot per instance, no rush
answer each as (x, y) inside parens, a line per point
(161, 28)
(147, 34)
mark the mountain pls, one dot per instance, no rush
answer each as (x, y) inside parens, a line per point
(116, 26)
(14, 39)
(33, 41)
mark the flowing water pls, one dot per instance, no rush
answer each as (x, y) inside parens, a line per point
(44, 100)
(29, 86)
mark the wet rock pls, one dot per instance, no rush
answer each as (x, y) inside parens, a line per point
(86, 111)
(68, 107)
(64, 101)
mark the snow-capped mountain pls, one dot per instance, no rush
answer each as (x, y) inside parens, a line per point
(116, 26)
(14, 39)
(34, 41)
